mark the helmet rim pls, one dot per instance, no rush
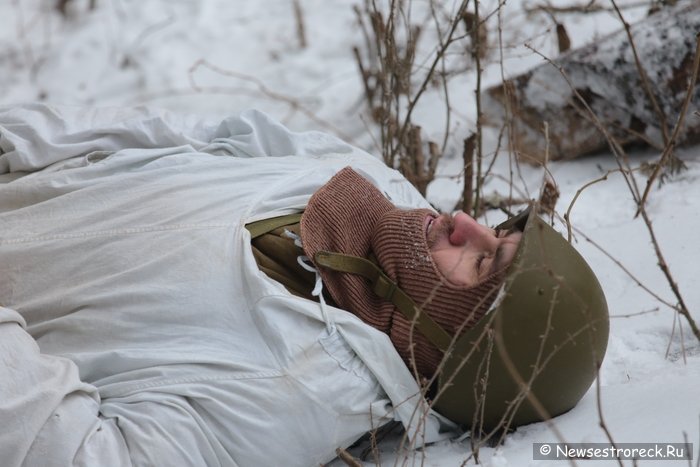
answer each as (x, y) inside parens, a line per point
(537, 351)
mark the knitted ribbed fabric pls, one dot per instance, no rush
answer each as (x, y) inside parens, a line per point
(349, 215)
(399, 243)
(340, 218)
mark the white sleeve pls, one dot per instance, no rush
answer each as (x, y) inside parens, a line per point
(50, 418)
(255, 134)
(35, 136)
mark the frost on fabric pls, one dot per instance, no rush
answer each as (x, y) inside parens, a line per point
(605, 75)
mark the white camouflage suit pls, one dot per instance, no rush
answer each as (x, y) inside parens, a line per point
(136, 328)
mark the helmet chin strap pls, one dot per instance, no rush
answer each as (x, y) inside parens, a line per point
(518, 221)
(387, 289)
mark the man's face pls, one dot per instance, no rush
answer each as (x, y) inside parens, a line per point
(465, 251)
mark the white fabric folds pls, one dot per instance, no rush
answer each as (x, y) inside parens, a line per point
(137, 328)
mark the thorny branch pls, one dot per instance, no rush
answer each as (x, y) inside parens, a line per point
(623, 163)
(264, 90)
(347, 458)
(479, 114)
(671, 143)
(392, 40)
(567, 214)
(643, 76)
(601, 419)
(625, 270)
(623, 167)
(468, 158)
(590, 7)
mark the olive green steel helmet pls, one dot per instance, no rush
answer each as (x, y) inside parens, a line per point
(534, 355)
(537, 352)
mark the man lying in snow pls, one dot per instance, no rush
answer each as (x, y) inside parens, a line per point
(165, 303)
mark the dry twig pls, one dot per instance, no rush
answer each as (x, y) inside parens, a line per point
(347, 458)
(624, 269)
(479, 114)
(468, 157)
(293, 103)
(601, 419)
(623, 163)
(299, 18)
(590, 7)
(671, 143)
(643, 76)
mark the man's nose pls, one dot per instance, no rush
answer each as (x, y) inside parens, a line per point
(467, 231)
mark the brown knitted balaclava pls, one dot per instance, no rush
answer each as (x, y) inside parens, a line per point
(349, 215)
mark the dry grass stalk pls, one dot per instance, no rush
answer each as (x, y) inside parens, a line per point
(601, 419)
(671, 143)
(478, 436)
(389, 74)
(479, 114)
(347, 458)
(549, 196)
(563, 40)
(643, 76)
(299, 18)
(635, 107)
(386, 92)
(468, 190)
(477, 32)
(585, 8)
(261, 89)
(623, 162)
(622, 267)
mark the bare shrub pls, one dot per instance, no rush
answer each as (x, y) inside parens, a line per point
(394, 83)
(399, 61)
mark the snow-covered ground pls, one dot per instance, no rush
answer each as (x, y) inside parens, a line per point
(216, 57)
